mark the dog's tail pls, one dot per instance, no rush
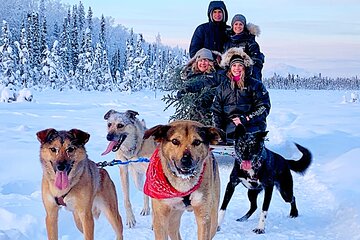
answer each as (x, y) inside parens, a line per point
(301, 165)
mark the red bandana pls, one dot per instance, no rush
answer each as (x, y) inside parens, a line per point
(157, 185)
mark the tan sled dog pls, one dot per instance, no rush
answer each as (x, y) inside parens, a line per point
(125, 136)
(70, 179)
(183, 175)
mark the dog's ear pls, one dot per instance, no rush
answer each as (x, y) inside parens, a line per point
(79, 136)
(262, 135)
(46, 135)
(159, 132)
(108, 114)
(239, 131)
(131, 114)
(212, 135)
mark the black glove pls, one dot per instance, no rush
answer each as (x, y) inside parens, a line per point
(243, 119)
(180, 94)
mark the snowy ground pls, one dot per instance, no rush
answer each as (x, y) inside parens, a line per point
(327, 196)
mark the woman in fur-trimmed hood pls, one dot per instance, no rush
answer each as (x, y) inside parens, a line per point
(199, 81)
(243, 35)
(240, 99)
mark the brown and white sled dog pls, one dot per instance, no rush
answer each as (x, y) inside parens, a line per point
(125, 136)
(70, 179)
(183, 175)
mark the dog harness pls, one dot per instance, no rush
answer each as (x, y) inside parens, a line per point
(157, 185)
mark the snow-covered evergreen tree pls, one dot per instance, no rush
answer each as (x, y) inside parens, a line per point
(84, 68)
(56, 34)
(36, 41)
(42, 10)
(128, 79)
(89, 20)
(43, 36)
(49, 71)
(7, 57)
(97, 80)
(74, 39)
(141, 76)
(81, 17)
(59, 70)
(24, 67)
(105, 69)
(115, 67)
(64, 44)
(134, 62)
(81, 25)
(102, 35)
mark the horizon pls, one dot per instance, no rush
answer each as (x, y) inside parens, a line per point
(324, 38)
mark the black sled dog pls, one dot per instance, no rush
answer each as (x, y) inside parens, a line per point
(258, 168)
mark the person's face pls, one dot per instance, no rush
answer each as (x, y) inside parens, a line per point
(238, 27)
(217, 15)
(237, 69)
(203, 65)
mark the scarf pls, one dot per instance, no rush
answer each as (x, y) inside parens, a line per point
(157, 185)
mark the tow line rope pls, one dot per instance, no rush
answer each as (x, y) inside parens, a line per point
(119, 162)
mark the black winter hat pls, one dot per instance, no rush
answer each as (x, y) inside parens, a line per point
(236, 59)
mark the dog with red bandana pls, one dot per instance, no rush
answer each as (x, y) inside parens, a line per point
(183, 175)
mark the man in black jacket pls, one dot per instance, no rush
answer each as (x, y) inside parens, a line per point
(211, 35)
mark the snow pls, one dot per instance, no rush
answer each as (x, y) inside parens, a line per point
(327, 195)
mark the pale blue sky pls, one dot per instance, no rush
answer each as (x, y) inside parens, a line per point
(317, 35)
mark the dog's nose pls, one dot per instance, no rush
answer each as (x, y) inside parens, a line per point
(110, 137)
(186, 160)
(62, 166)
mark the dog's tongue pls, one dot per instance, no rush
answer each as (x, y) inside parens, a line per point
(61, 180)
(246, 165)
(109, 148)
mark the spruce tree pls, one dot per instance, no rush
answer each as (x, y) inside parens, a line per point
(7, 57)
(191, 105)
(24, 67)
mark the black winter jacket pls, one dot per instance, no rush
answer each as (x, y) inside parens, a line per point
(252, 102)
(210, 35)
(247, 41)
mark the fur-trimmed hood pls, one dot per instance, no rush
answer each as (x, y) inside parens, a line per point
(253, 29)
(186, 70)
(217, 5)
(226, 57)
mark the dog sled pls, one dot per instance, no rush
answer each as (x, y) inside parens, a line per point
(223, 150)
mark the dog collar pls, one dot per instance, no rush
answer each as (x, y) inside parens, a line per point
(60, 200)
(158, 186)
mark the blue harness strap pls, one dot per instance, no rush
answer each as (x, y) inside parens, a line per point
(119, 162)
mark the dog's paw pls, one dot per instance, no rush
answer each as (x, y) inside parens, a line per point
(294, 213)
(242, 219)
(259, 231)
(145, 212)
(130, 221)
